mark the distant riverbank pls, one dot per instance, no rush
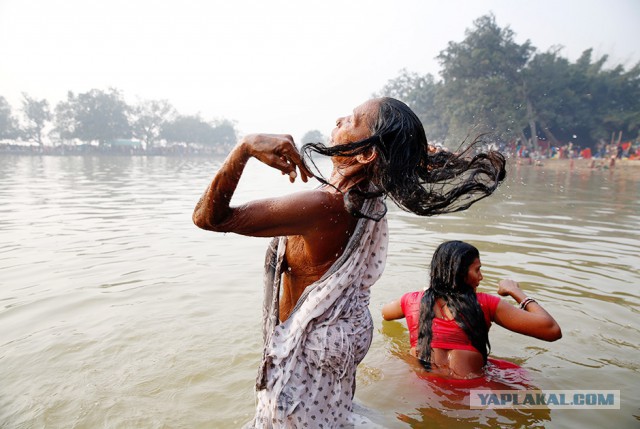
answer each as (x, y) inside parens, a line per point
(187, 151)
(582, 164)
(94, 150)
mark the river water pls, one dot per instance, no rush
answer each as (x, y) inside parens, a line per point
(116, 312)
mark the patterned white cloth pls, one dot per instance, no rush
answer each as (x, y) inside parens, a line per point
(307, 375)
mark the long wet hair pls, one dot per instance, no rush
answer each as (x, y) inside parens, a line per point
(449, 268)
(417, 181)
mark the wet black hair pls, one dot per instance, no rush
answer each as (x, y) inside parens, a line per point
(449, 269)
(417, 180)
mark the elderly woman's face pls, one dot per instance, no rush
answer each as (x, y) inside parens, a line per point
(356, 126)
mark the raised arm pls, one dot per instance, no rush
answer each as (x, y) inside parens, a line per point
(532, 320)
(269, 217)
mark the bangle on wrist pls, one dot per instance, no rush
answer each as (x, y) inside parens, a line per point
(527, 301)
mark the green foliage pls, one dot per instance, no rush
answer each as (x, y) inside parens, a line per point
(223, 133)
(37, 115)
(482, 82)
(193, 129)
(185, 129)
(147, 119)
(313, 136)
(8, 124)
(491, 83)
(422, 94)
(104, 116)
(488, 83)
(94, 115)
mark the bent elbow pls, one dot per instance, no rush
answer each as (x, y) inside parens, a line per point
(557, 334)
(203, 223)
(208, 224)
(198, 220)
(554, 334)
(386, 314)
(392, 311)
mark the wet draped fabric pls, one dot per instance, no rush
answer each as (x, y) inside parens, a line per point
(307, 375)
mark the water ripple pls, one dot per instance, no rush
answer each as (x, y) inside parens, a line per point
(112, 302)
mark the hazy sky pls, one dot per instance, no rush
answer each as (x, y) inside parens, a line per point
(273, 66)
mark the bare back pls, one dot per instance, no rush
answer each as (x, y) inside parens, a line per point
(451, 362)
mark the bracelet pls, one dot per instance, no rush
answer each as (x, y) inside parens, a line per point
(527, 301)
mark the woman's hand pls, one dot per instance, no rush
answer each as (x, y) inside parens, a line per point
(278, 151)
(508, 287)
(295, 214)
(533, 321)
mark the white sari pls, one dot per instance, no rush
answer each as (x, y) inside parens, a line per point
(307, 374)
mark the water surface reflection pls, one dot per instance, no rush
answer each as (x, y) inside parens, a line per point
(115, 311)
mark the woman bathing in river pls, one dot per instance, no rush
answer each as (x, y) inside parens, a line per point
(330, 247)
(449, 322)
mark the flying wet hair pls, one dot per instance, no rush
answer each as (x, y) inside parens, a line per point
(449, 268)
(416, 180)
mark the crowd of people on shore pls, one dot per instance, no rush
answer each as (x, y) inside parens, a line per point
(603, 150)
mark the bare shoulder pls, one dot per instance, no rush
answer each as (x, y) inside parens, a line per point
(301, 213)
(328, 227)
(311, 206)
(318, 199)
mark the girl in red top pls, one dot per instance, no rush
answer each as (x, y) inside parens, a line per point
(449, 322)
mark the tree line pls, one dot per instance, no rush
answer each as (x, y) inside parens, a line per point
(487, 83)
(490, 83)
(104, 117)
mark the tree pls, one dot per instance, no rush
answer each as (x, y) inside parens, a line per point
(313, 136)
(421, 94)
(583, 99)
(37, 114)
(224, 133)
(94, 115)
(548, 91)
(482, 78)
(627, 92)
(615, 98)
(187, 129)
(148, 118)
(492, 83)
(8, 124)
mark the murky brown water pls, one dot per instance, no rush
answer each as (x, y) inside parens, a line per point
(116, 312)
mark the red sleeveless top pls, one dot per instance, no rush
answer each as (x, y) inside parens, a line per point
(446, 334)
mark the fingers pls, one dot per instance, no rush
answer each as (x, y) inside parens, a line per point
(290, 169)
(507, 287)
(279, 151)
(293, 160)
(296, 161)
(304, 172)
